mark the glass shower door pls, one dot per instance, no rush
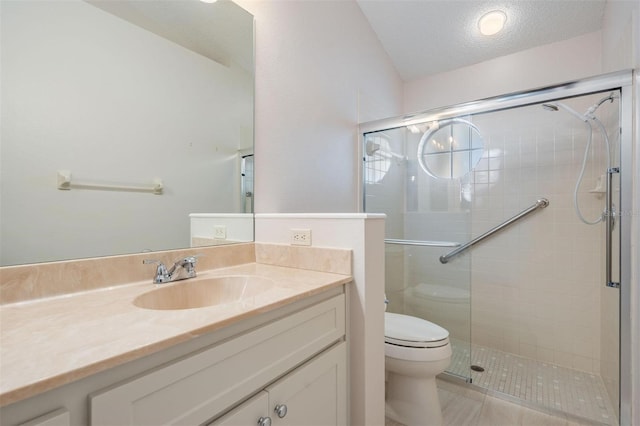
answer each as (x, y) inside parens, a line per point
(543, 325)
(427, 217)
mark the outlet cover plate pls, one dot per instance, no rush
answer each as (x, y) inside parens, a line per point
(301, 237)
(220, 232)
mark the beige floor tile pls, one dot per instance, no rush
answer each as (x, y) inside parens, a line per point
(460, 408)
(389, 422)
(459, 389)
(496, 412)
(536, 418)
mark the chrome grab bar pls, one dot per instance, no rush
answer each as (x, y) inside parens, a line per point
(422, 243)
(541, 203)
(609, 221)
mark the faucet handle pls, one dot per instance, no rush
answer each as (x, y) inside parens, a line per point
(186, 261)
(189, 264)
(162, 275)
(191, 259)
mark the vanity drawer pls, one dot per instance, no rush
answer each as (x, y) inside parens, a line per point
(59, 417)
(201, 386)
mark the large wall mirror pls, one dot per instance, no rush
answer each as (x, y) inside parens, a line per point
(127, 126)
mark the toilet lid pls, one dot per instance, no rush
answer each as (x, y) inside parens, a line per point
(405, 330)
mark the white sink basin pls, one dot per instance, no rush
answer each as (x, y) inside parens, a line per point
(200, 293)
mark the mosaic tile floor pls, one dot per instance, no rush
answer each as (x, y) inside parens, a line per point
(574, 392)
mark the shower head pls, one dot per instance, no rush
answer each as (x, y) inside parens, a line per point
(373, 148)
(611, 97)
(557, 105)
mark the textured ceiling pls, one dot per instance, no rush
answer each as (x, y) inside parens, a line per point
(425, 37)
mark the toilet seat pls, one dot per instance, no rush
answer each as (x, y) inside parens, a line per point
(412, 332)
(416, 351)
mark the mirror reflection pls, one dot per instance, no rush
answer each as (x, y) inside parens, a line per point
(123, 96)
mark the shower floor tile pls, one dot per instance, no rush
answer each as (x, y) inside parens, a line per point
(574, 392)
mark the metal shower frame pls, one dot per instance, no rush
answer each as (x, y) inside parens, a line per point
(623, 81)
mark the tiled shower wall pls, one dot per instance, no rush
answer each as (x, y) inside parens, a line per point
(536, 285)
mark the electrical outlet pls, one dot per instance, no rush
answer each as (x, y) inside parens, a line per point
(220, 232)
(301, 237)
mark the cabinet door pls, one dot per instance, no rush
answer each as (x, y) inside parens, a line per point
(247, 414)
(314, 394)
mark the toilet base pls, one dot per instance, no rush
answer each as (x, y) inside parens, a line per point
(413, 401)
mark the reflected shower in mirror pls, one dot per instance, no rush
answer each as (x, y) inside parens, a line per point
(119, 95)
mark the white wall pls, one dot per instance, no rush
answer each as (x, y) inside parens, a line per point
(537, 67)
(621, 35)
(88, 92)
(320, 70)
(364, 235)
(230, 227)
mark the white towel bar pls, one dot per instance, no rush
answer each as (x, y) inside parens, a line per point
(65, 183)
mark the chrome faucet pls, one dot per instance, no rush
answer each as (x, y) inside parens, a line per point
(182, 269)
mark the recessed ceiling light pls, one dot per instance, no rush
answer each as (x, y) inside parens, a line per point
(208, 1)
(492, 22)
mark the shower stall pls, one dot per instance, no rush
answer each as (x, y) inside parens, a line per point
(507, 225)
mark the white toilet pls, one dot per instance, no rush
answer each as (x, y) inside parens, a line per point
(416, 351)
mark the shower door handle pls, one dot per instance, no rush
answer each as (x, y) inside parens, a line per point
(609, 220)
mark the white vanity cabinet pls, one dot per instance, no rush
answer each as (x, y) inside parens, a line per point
(293, 355)
(255, 412)
(59, 417)
(288, 358)
(313, 394)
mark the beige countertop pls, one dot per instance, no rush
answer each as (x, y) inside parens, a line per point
(50, 342)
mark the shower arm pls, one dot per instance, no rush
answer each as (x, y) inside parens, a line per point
(541, 203)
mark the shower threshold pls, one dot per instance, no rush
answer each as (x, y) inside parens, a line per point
(535, 383)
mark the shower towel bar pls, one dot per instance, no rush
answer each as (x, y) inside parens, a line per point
(422, 243)
(541, 203)
(65, 183)
(610, 220)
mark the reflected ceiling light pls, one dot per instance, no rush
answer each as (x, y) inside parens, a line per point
(492, 22)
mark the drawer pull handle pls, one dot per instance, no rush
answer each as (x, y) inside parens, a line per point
(264, 421)
(281, 410)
